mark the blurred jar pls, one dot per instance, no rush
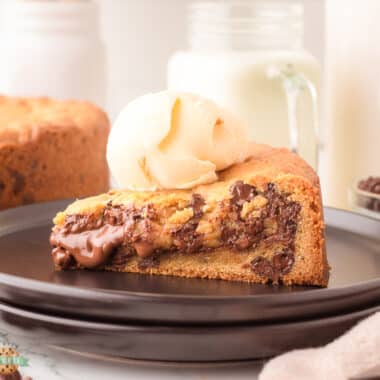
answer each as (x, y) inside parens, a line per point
(248, 56)
(352, 98)
(52, 48)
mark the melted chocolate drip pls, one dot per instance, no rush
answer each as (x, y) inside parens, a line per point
(89, 248)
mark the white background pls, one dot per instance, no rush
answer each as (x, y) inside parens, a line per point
(141, 35)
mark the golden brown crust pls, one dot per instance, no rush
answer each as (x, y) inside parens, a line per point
(51, 150)
(290, 175)
(269, 162)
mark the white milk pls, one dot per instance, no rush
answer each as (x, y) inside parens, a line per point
(251, 61)
(352, 96)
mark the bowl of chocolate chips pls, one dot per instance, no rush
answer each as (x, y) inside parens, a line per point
(365, 196)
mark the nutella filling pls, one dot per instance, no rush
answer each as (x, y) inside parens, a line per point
(89, 248)
(123, 232)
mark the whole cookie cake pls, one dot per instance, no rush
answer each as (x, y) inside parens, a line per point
(51, 149)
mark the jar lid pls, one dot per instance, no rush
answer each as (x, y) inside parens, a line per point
(242, 24)
(59, 16)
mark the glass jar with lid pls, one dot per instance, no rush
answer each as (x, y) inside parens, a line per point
(52, 48)
(248, 56)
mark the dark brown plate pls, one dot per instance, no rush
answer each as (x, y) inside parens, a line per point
(28, 280)
(176, 343)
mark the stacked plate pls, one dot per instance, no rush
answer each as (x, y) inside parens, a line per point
(173, 319)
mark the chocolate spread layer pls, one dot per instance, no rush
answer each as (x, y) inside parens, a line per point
(248, 218)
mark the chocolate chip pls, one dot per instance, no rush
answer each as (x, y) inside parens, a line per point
(229, 234)
(242, 192)
(263, 267)
(34, 164)
(114, 214)
(374, 204)
(283, 261)
(121, 257)
(197, 202)
(78, 223)
(238, 233)
(371, 184)
(149, 262)
(185, 239)
(284, 211)
(117, 215)
(27, 199)
(243, 234)
(2, 186)
(18, 181)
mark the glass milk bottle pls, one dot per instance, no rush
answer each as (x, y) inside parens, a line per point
(248, 56)
(352, 97)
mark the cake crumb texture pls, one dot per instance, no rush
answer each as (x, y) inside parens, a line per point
(50, 150)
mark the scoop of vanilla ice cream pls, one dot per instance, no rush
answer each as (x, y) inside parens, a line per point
(171, 140)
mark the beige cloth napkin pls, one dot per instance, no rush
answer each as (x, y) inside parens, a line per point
(350, 356)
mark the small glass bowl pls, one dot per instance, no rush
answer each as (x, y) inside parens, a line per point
(363, 201)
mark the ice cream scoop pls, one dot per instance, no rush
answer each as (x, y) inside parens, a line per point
(171, 140)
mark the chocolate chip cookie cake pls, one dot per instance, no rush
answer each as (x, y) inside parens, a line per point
(51, 149)
(259, 221)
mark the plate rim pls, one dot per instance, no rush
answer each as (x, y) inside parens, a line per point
(249, 341)
(42, 287)
(96, 325)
